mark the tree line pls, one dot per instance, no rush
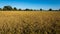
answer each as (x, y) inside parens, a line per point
(9, 8)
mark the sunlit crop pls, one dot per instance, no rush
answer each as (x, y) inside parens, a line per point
(29, 22)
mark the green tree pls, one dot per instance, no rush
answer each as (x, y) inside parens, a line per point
(19, 9)
(15, 8)
(7, 8)
(35, 10)
(41, 9)
(59, 9)
(31, 9)
(26, 9)
(0, 9)
(50, 9)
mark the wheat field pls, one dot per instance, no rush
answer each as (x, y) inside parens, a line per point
(29, 22)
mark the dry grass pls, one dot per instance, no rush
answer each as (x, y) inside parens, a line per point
(28, 22)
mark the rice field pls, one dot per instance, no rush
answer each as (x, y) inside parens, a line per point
(29, 22)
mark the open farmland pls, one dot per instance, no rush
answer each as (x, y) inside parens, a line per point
(29, 22)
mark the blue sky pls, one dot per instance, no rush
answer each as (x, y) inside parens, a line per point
(31, 4)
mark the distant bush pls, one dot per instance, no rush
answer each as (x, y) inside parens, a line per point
(26, 9)
(50, 9)
(7, 8)
(59, 9)
(19, 9)
(31, 9)
(14, 8)
(0, 8)
(35, 10)
(41, 9)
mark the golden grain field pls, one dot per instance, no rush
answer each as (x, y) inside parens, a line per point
(29, 22)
